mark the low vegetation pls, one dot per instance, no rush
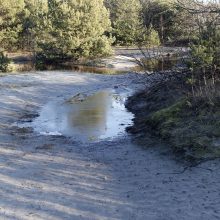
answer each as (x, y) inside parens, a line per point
(192, 129)
(4, 63)
(184, 109)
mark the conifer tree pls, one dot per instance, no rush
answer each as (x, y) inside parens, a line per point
(74, 29)
(126, 20)
(33, 18)
(10, 25)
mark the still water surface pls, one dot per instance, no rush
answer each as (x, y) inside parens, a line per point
(99, 116)
(150, 65)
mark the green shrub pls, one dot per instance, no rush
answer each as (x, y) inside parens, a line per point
(153, 38)
(4, 63)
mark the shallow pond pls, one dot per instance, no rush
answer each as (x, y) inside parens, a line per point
(86, 118)
(155, 65)
(149, 65)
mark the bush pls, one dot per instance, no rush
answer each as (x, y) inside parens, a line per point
(204, 65)
(153, 38)
(4, 62)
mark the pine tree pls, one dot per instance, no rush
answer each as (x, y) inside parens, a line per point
(74, 29)
(126, 20)
(10, 25)
(33, 18)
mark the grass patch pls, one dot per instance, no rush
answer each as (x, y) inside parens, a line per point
(192, 128)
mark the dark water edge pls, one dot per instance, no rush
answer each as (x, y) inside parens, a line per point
(150, 65)
(29, 66)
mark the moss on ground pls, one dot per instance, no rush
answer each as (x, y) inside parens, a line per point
(192, 128)
(194, 132)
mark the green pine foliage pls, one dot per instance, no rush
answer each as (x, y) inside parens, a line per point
(33, 18)
(149, 38)
(10, 24)
(126, 20)
(74, 29)
(55, 29)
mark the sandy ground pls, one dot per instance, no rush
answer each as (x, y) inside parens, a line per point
(55, 178)
(127, 58)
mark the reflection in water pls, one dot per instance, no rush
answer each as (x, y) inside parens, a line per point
(154, 65)
(102, 115)
(90, 116)
(98, 70)
(149, 65)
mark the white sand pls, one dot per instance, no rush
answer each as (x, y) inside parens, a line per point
(127, 58)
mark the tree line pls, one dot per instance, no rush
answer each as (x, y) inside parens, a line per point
(58, 30)
(55, 29)
(81, 28)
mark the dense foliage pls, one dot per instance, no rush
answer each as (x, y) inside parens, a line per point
(10, 23)
(55, 29)
(205, 63)
(74, 29)
(126, 20)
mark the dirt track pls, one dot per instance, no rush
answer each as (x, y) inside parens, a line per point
(49, 177)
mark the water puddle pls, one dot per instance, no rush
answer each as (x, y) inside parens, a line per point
(155, 65)
(86, 69)
(151, 65)
(96, 117)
